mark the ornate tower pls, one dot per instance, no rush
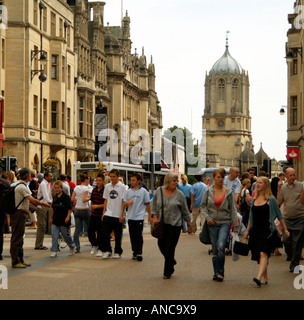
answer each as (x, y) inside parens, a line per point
(226, 116)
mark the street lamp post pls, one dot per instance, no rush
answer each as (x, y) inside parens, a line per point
(66, 25)
(289, 158)
(43, 54)
(292, 53)
(42, 77)
(100, 123)
(282, 111)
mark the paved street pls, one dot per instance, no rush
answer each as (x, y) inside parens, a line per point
(83, 276)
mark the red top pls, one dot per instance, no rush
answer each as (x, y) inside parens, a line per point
(72, 184)
(218, 200)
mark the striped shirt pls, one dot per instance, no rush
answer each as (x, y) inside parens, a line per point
(97, 199)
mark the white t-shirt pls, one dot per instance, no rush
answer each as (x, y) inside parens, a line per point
(114, 197)
(244, 192)
(234, 185)
(79, 191)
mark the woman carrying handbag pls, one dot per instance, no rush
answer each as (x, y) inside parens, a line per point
(169, 205)
(261, 228)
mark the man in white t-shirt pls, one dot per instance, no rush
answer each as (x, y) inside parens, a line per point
(43, 213)
(82, 209)
(111, 219)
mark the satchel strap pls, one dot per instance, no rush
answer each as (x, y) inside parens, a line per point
(162, 200)
(23, 198)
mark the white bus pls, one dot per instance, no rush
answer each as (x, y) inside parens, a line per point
(208, 172)
(125, 170)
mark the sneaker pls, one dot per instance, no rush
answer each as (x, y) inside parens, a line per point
(94, 250)
(106, 255)
(54, 255)
(116, 256)
(139, 257)
(72, 250)
(99, 253)
(134, 257)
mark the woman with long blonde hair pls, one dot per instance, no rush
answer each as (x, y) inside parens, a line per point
(262, 229)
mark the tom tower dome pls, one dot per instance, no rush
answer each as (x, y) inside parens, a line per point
(227, 64)
(226, 116)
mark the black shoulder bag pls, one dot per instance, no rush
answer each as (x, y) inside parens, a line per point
(204, 236)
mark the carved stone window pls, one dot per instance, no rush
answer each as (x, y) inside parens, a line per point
(221, 90)
(235, 90)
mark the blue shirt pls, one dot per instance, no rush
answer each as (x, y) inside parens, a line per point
(140, 198)
(185, 189)
(198, 190)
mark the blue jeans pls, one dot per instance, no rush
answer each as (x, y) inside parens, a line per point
(65, 231)
(80, 215)
(185, 225)
(219, 234)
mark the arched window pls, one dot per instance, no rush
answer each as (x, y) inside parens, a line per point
(235, 90)
(209, 92)
(69, 168)
(36, 162)
(221, 92)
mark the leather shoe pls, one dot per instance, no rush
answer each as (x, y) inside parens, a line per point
(19, 265)
(257, 281)
(26, 264)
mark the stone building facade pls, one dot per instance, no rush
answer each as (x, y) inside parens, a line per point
(295, 99)
(37, 118)
(93, 82)
(131, 87)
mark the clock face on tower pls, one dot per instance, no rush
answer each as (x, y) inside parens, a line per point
(221, 124)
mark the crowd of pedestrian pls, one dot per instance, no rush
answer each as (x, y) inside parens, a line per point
(269, 211)
(52, 205)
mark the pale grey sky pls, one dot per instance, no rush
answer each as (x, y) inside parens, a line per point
(186, 38)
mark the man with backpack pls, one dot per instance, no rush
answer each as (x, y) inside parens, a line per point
(22, 200)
